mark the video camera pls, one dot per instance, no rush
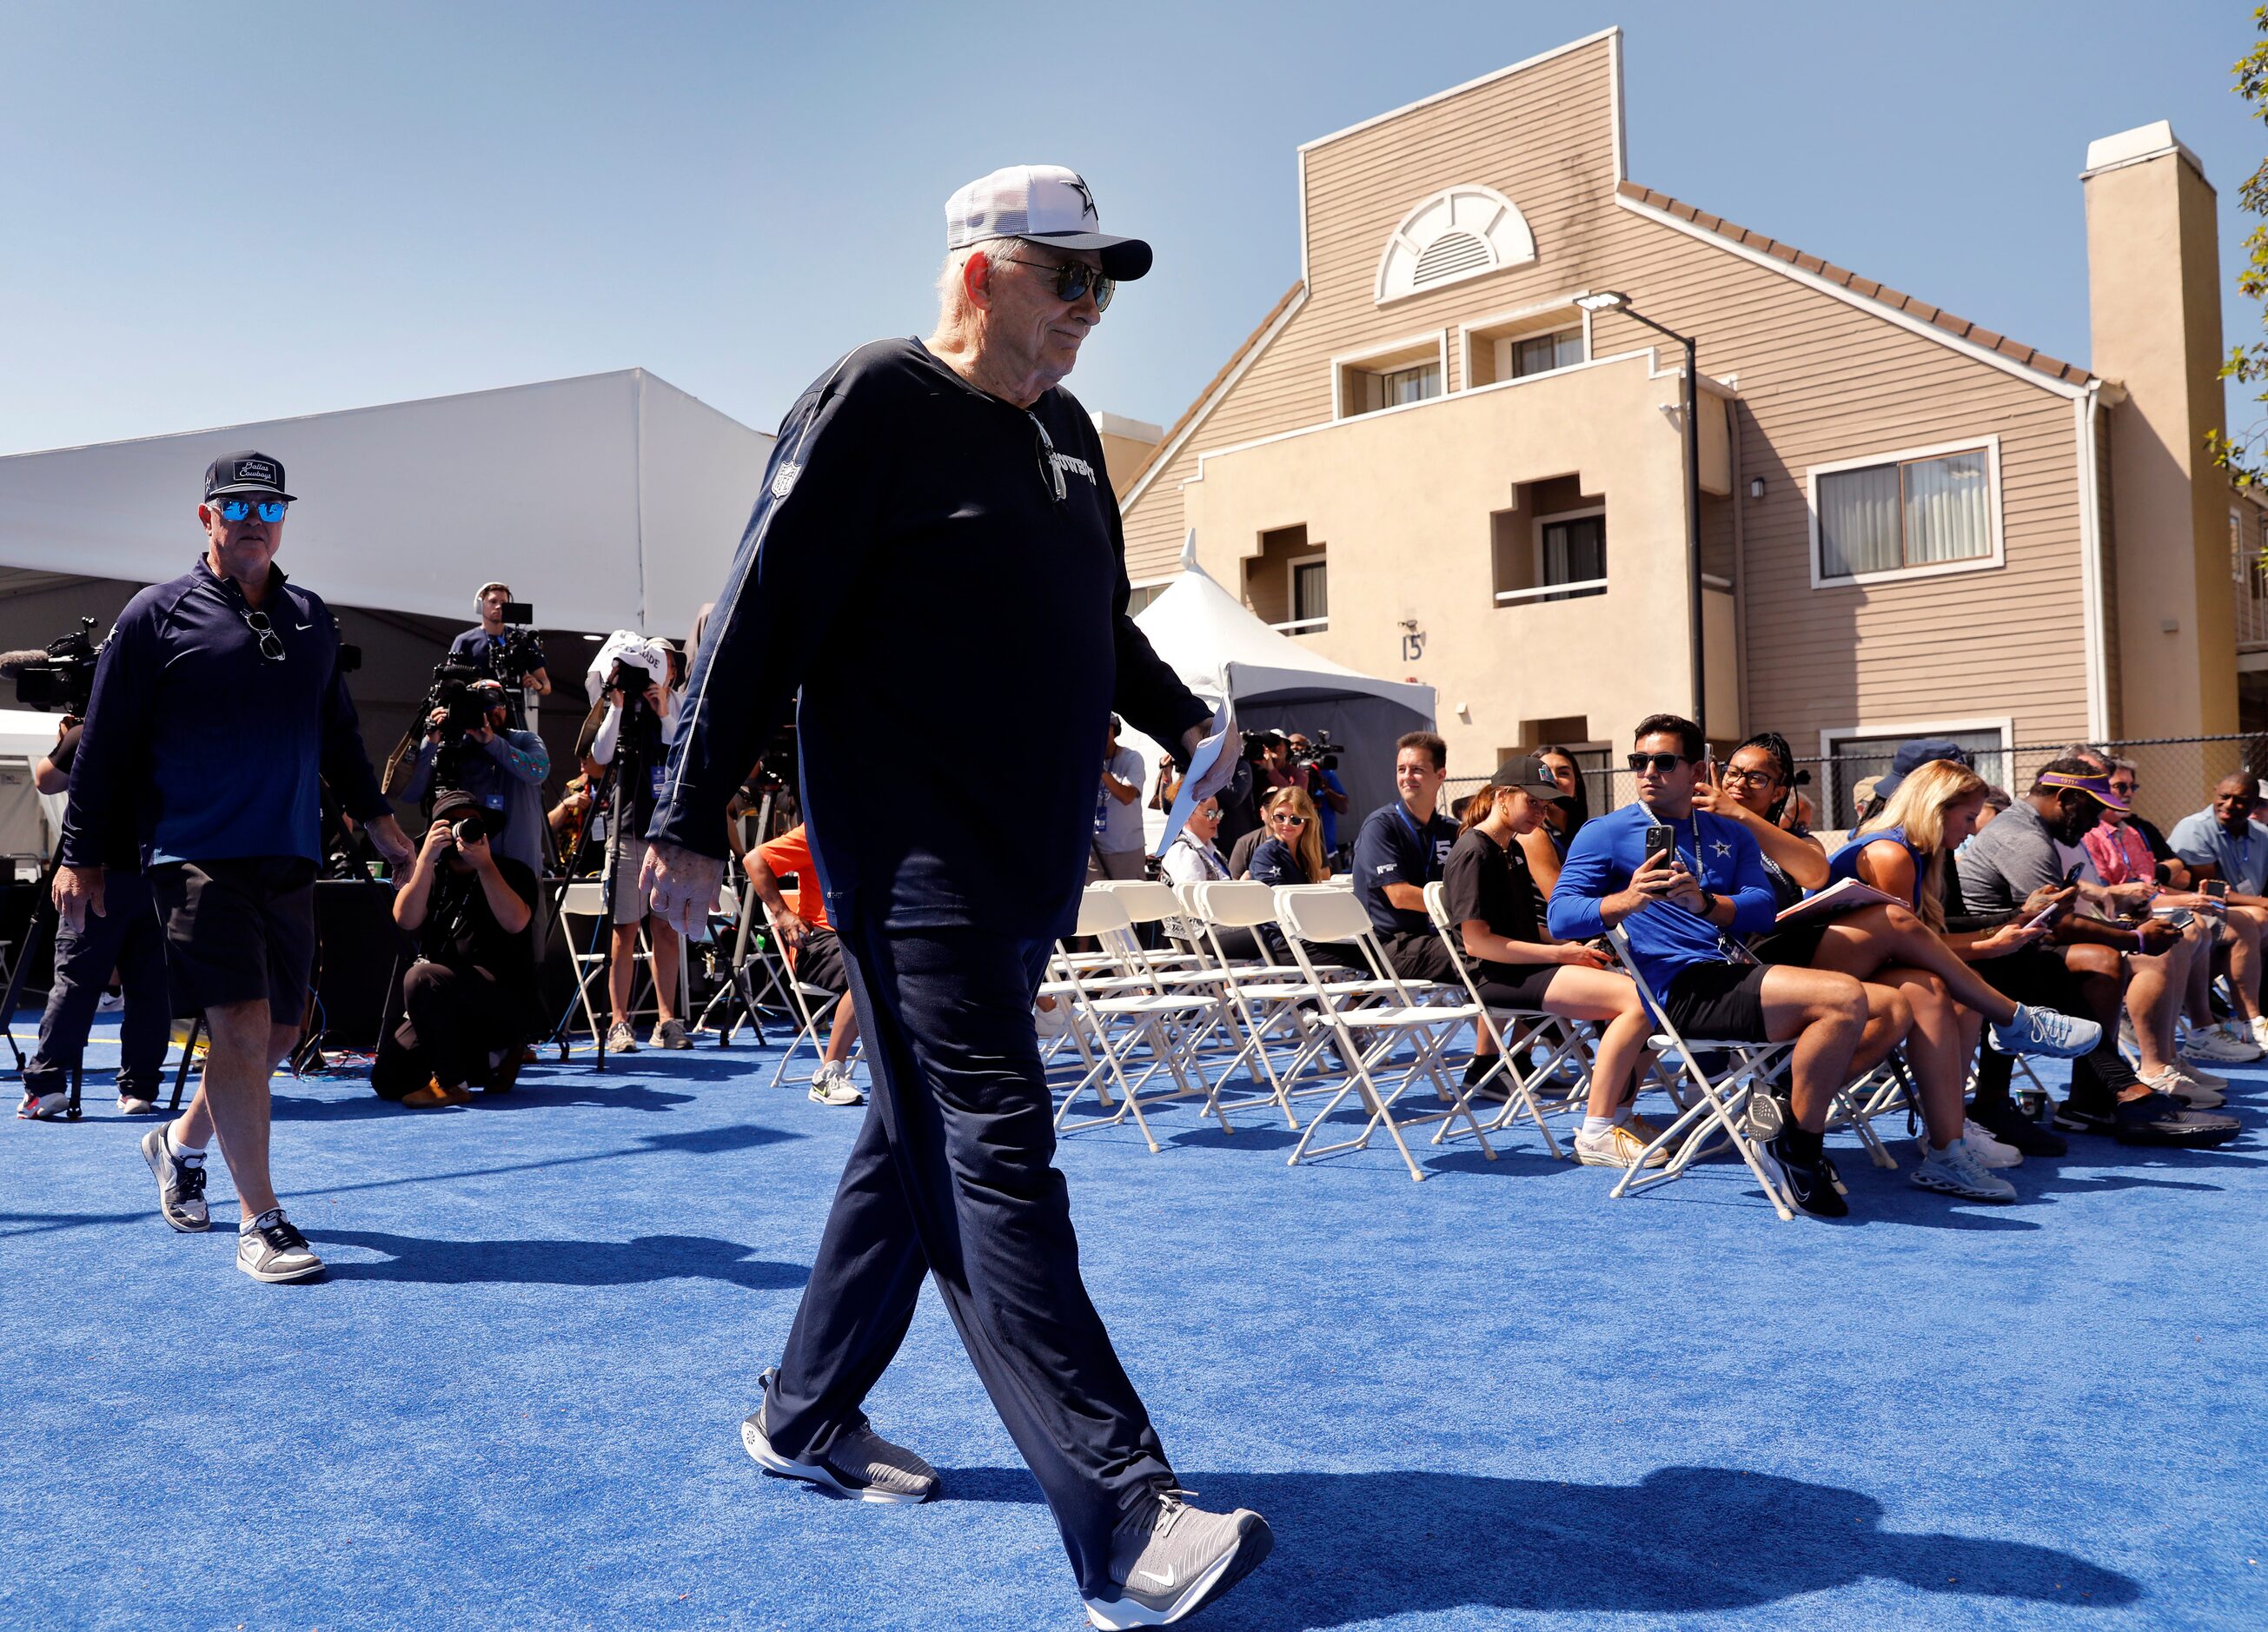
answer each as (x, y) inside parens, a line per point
(1322, 752)
(60, 676)
(453, 689)
(518, 653)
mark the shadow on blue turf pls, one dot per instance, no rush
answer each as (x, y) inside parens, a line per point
(1683, 1541)
(558, 1263)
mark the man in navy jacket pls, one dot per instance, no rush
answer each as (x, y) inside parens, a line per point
(935, 572)
(219, 709)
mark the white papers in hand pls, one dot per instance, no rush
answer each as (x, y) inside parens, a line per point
(1844, 895)
(1209, 768)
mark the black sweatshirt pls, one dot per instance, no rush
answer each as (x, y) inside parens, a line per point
(958, 636)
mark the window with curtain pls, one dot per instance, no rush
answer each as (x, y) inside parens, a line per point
(1521, 356)
(1311, 605)
(1917, 512)
(1574, 551)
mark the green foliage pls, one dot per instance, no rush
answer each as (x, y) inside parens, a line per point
(2237, 456)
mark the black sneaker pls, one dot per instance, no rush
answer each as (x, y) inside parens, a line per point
(2160, 1118)
(2094, 1117)
(2010, 1126)
(1811, 1183)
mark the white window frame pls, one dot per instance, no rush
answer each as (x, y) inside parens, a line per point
(1831, 735)
(1475, 331)
(1537, 592)
(1991, 447)
(1523, 249)
(1439, 339)
(1304, 626)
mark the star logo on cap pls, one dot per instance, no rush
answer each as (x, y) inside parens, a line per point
(1085, 198)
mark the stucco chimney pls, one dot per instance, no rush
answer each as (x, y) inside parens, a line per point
(2153, 275)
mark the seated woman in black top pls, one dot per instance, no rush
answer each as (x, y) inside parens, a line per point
(1292, 852)
(1498, 912)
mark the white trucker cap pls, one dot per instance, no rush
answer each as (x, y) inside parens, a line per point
(1046, 203)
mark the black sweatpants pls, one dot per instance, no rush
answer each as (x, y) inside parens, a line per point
(952, 1175)
(2036, 976)
(127, 936)
(458, 1017)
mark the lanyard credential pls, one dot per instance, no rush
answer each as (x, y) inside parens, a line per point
(1424, 844)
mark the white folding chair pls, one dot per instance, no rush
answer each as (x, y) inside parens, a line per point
(1334, 916)
(801, 995)
(1519, 1085)
(1719, 1100)
(586, 898)
(1119, 1011)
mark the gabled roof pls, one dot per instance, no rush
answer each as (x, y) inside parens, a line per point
(1168, 444)
(1866, 289)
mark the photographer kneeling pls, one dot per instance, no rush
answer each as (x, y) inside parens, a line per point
(466, 1000)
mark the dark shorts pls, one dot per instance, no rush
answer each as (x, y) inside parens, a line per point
(1418, 957)
(1718, 1002)
(2034, 976)
(819, 962)
(1797, 944)
(1514, 985)
(238, 929)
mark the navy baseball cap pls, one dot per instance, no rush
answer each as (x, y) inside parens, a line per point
(245, 473)
(1915, 752)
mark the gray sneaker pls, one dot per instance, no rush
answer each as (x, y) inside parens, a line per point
(271, 1248)
(671, 1034)
(620, 1039)
(862, 1464)
(1171, 1560)
(181, 1184)
(1957, 1171)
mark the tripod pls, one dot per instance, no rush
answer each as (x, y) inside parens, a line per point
(39, 934)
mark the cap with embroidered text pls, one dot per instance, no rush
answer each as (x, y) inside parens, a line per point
(1047, 204)
(245, 473)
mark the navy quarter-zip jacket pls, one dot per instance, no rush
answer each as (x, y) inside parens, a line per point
(957, 635)
(198, 748)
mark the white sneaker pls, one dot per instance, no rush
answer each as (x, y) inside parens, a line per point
(1956, 1171)
(2175, 1080)
(110, 1003)
(831, 1084)
(620, 1039)
(1618, 1147)
(132, 1104)
(2259, 1029)
(2211, 1042)
(2195, 1072)
(1991, 1152)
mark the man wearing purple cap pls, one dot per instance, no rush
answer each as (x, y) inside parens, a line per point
(937, 540)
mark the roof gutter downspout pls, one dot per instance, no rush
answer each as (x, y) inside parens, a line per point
(2087, 412)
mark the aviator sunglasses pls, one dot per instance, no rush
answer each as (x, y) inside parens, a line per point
(1073, 279)
(270, 511)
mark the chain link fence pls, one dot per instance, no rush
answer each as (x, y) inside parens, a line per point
(2174, 775)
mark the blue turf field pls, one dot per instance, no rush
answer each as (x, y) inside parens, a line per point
(1493, 1399)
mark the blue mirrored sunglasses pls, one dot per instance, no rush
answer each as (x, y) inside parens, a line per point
(271, 510)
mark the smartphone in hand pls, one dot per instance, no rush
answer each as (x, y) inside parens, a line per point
(1659, 838)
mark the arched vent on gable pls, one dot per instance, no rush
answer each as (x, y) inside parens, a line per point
(1460, 232)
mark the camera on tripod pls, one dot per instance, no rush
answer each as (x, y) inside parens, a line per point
(518, 653)
(62, 676)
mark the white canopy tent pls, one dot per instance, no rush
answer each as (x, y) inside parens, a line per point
(1221, 649)
(607, 501)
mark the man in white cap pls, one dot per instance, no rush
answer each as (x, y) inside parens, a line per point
(938, 534)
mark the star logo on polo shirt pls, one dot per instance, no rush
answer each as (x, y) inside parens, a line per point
(1717, 847)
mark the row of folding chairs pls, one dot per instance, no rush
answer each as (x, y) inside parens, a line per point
(1181, 1020)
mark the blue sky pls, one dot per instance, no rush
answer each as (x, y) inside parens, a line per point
(226, 212)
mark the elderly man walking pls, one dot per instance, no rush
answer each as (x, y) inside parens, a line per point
(922, 498)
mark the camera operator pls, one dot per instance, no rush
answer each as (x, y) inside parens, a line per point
(475, 645)
(465, 1001)
(127, 937)
(502, 768)
(635, 720)
(218, 706)
(1329, 794)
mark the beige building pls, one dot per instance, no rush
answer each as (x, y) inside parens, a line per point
(1441, 457)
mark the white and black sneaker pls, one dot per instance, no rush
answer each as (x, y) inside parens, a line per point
(862, 1464)
(271, 1248)
(1170, 1560)
(181, 1183)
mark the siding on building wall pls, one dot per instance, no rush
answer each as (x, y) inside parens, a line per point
(1819, 380)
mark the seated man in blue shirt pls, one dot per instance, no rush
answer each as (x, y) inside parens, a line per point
(1401, 849)
(1681, 911)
